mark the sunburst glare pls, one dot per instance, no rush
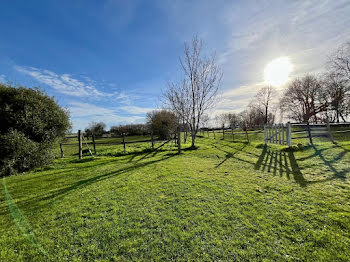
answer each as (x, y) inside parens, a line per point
(277, 72)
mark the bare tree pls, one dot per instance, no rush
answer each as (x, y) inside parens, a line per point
(264, 97)
(196, 93)
(337, 93)
(303, 99)
(337, 82)
(339, 62)
(97, 129)
(232, 120)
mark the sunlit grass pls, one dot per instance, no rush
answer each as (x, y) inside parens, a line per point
(227, 200)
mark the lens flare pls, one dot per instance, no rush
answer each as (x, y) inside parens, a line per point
(277, 72)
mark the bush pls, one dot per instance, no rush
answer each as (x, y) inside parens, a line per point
(97, 129)
(162, 123)
(20, 153)
(130, 130)
(31, 122)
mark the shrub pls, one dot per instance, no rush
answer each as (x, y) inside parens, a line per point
(97, 129)
(162, 123)
(31, 122)
(130, 129)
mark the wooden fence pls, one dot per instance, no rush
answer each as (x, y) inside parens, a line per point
(285, 133)
(83, 142)
(278, 134)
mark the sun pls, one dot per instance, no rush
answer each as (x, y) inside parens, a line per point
(277, 72)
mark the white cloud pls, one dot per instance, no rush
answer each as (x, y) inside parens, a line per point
(135, 110)
(65, 83)
(2, 79)
(84, 113)
(80, 109)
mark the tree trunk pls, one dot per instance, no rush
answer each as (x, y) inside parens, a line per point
(193, 134)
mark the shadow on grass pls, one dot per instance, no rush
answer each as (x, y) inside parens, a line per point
(190, 148)
(284, 161)
(58, 194)
(83, 160)
(228, 154)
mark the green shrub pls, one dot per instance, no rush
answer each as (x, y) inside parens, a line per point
(31, 122)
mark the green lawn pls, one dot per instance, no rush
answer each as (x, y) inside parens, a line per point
(224, 201)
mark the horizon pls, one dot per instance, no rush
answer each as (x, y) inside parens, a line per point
(109, 62)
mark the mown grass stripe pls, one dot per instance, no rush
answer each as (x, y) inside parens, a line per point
(21, 221)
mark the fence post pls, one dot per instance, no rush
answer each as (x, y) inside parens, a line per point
(283, 131)
(329, 131)
(276, 133)
(246, 133)
(223, 132)
(179, 141)
(232, 134)
(93, 142)
(214, 134)
(124, 142)
(265, 134)
(289, 134)
(309, 132)
(279, 134)
(152, 140)
(62, 155)
(80, 145)
(272, 138)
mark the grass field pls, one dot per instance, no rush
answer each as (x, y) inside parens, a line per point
(224, 201)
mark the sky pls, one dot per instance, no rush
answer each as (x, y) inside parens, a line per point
(110, 60)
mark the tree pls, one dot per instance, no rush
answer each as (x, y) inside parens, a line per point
(31, 123)
(303, 99)
(232, 120)
(97, 129)
(264, 97)
(192, 97)
(162, 123)
(339, 62)
(221, 120)
(88, 132)
(337, 94)
(337, 82)
(130, 129)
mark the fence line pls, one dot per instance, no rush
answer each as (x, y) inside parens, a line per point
(80, 137)
(283, 134)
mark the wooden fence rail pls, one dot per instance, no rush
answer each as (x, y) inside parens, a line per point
(80, 137)
(283, 133)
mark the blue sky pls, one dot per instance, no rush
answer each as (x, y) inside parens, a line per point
(109, 60)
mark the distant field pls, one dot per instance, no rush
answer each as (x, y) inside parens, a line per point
(227, 200)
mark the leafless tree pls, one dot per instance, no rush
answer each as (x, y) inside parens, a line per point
(337, 93)
(339, 62)
(303, 99)
(232, 119)
(221, 120)
(337, 82)
(97, 129)
(195, 94)
(264, 98)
